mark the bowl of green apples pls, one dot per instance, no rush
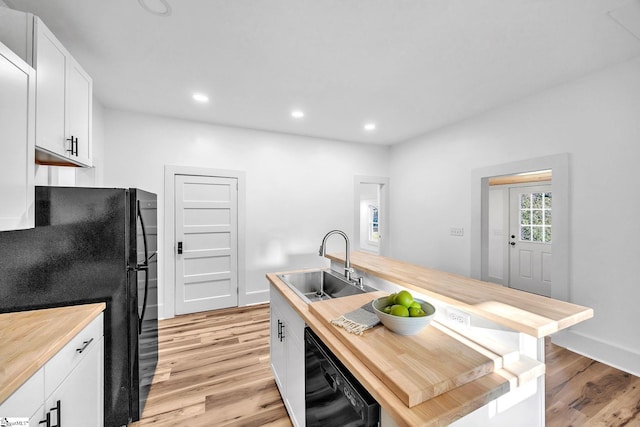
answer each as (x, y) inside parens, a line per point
(403, 314)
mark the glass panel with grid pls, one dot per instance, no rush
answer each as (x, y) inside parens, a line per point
(535, 217)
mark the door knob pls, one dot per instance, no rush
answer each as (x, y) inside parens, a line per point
(512, 243)
(179, 248)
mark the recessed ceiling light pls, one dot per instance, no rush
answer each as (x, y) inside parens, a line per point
(200, 97)
(370, 126)
(156, 7)
(297, 114)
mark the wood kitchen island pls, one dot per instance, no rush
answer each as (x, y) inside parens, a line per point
(506, 327)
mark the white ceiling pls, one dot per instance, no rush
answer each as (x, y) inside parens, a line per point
(411, 66)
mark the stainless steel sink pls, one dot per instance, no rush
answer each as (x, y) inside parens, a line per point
(318, 285)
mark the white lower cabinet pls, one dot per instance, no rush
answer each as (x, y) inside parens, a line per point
(27, 401)
(69, 389)
(80, 393)
(287, 355)
(295, 377)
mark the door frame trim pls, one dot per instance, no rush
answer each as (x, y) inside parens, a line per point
(384, 209)
(170, 171)
(559, 164)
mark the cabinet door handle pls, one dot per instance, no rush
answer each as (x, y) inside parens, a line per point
(85, 344)
(73, 145)
(47, 420)
(57, 408)
(282, 332)
(70, 150)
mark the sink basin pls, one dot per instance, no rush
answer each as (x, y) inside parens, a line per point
(319, 285)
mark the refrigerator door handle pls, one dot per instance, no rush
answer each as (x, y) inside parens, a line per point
(144, 303)
(144, 267)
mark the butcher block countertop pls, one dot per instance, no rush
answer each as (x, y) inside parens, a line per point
(437, 411)
(28, 339)
(521, 311)
(416, 368)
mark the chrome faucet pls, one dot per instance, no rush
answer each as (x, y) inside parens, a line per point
(347, 264)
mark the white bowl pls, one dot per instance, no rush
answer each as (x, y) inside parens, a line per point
(404, 325)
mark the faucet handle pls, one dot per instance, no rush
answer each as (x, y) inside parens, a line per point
(320, 251)
(359, 281)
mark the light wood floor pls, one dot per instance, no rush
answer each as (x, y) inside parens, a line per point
(213, 370)
(583, 392)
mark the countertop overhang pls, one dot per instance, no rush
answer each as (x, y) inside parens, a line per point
(521, 311)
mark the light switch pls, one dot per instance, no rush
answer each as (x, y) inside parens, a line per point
(457, 231)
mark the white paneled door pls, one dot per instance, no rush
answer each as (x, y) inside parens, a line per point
(206, 224)
(530, 239)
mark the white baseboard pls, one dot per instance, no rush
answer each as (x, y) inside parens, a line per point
(161, 315)
(256, 297)
(621, 358)
(251, 298)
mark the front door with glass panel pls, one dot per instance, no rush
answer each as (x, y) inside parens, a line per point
(530, 238)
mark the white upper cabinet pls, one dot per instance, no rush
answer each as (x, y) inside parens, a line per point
(63, 90)
(17, 112)
(79, 94)
(50, 85)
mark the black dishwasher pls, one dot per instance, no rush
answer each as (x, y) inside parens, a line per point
(333, 397)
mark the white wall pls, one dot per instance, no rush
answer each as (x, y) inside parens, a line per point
(597, 121)
(297, 188)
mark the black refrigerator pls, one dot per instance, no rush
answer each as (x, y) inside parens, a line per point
(94, 245)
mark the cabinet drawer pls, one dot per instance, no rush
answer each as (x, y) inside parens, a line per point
(62, 363)
(26, 400)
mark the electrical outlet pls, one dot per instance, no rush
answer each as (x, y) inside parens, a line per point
(457, 317)
(456, 231)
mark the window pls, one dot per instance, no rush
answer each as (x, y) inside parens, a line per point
(373, 224)
(535, 217)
